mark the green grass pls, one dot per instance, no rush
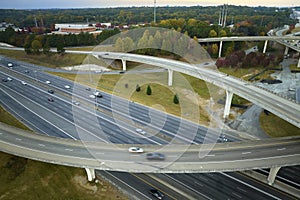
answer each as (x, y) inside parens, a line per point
(162, 95)
(7, 118)
(21, 178)
(276, 127)
(52, 60)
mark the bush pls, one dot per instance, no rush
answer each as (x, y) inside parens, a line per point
(149, 91)
(175, 99)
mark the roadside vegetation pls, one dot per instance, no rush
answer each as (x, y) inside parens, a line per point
(274, 126)
(7, 118)
(49, 60)
(21, 178)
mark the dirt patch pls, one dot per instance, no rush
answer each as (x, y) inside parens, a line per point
(82, 182)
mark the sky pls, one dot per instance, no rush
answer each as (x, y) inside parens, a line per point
(36, 4)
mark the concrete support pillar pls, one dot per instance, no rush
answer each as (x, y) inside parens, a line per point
(170, 77)
(298, 63)
(265, 46)
(124, 64)
(286, 51)
(90, 174)
(272, 175)
(220, 48)
(229, 96)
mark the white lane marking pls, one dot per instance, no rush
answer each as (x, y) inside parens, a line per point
(38, 114)
(251, 186)
(241, 189)
(236, 195)
(196, 191)
(211, 155)
(248, 152)
(42, 145)
(128, 185)
(280, 149)
(197, 183)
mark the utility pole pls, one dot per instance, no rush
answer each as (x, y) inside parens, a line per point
(154, 12)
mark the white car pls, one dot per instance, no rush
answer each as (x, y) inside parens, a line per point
(138, 130)
(76, 103)
(67, 86)
(9, 79)
(48, 82)
(23, 83)
(135, 150)
(92, 96)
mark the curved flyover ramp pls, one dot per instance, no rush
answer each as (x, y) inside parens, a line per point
(179, 158)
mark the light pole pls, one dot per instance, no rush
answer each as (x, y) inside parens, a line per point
(154, 12)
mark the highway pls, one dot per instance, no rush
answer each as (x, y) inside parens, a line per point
(284, 108)
(63, 94)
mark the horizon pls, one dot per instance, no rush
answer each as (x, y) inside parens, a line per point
(85, 4)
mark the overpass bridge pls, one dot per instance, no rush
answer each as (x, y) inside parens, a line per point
(280, 39)
(284, 108)
(233, 156)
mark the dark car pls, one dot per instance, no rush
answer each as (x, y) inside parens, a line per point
(156, 193)
(51, 91)
(4, 79)
(50, 99)
(155, 156)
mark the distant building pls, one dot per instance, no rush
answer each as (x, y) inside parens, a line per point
(4, 26)
(76, 29)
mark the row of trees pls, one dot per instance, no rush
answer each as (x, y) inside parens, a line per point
(264, 16)
(33, 43)
(239, 59)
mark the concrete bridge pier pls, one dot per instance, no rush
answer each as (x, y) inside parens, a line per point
(272, 175)
(298, 63)
(229, 96)
(286, 51)
(220, 48)
(90, 174)
(170, 77)
(124, 64)
(265, 46)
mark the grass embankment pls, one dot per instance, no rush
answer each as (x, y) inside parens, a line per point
(161, 97)
(51, 60)
(21, 178)
(274, 126)
(7, 118)
(27, 179)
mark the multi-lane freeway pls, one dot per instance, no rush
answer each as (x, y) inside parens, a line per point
(30, 103)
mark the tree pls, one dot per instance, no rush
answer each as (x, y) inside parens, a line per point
(128, 44)
(175, 99)
(27, 48)
(149, 91)
(119, 46)
(36, 46)
(212, 33)
(137, 88)
(46, 47)
(60, 48)
(215, 49)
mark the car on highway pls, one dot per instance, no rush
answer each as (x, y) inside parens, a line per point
(76, 103)
(156, 193)
(9, 79)
(50, 99)
(23, 83)
(92, 96)
(155, 156)
(98, 94)
(88, 89)
(51, 91)
(48, 82)
(4, 79)
(9, 65)
(67, 87)
(26, 71)
(138, 130)
(135, 150)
